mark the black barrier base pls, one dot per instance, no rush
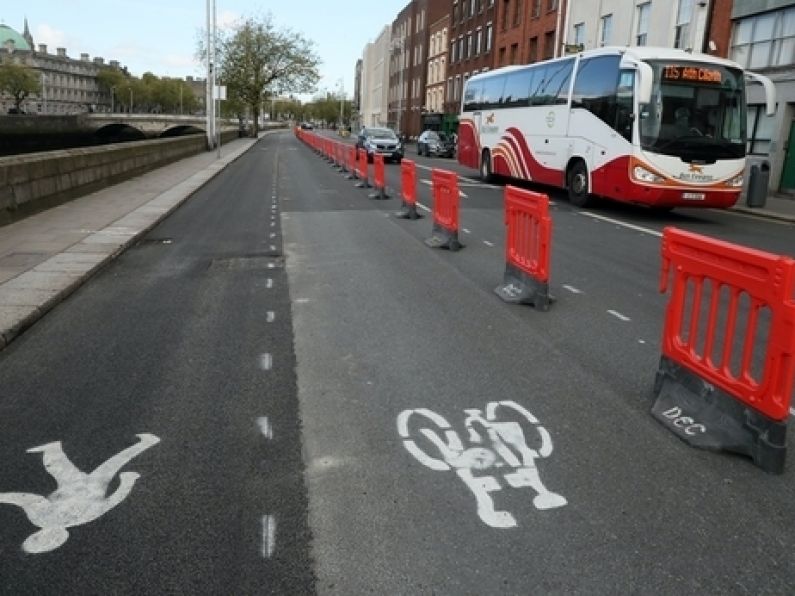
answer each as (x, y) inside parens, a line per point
(408, 212)
(379, 194)
(444, 238)
(362, 184)
(520, 288)
(706, 417)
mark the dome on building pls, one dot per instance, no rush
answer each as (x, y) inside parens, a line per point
(8, 34)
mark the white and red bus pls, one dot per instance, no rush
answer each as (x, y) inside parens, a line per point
(655, 126)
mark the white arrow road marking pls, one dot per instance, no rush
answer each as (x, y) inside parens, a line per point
(79, 499)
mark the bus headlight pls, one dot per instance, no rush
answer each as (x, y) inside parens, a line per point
(735, 182)
(644, 175)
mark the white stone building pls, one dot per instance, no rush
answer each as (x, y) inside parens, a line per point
(374, 109)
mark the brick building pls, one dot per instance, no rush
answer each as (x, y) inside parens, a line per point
(471, 46)
(527, 31)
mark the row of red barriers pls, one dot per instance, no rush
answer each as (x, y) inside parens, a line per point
(727, 369)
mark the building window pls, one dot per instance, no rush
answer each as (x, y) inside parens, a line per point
(552, 5)
(470, 45)
(536, 8)
(532, 50)
(765, 40)
(505, 8)
(579, 33)
(488, 37)
(760, 130)
(461, 53)
(452, 52)
(517, 12)
(514, 53)
(549, 45)
(607, 30)
(472, 8)
(478, 41)
(643, 23)
(683, 14)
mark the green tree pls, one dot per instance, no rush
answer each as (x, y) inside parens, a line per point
(257, 60)
(19, 82)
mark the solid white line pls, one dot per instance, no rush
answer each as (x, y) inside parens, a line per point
(270, 316)
(466, 231)
(623, 224)
(273, 234)
(265, 427)
(487, 243)
(618, 315)
(266, 361)
(421, 206)
(572, 289)
(268, 535)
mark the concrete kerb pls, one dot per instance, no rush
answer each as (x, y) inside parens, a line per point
(30, 295)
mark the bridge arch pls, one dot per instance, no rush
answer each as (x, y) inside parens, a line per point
(118, 132)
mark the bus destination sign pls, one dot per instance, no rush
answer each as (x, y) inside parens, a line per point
(691, 74)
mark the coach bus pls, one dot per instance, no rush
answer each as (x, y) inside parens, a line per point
(654, 126)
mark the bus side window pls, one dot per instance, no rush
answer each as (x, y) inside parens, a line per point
(595, 89)
(539, 85)
(492, 92)
(624, 101)
(472, 96)
(516, 89)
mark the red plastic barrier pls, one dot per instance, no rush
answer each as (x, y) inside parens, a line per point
(352, 160)
(379, 181)
(445, 211)
(408, 182)
(445, 199)
(759, 279)
(529, 234)
(361, 167)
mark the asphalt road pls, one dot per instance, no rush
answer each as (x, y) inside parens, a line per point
(367, 352)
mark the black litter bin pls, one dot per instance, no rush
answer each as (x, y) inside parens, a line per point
(757, 185)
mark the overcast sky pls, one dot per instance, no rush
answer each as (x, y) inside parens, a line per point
(160, 36)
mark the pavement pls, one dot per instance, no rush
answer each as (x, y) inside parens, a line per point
(47, 256)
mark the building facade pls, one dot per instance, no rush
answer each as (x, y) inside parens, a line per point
(528, 31)
(374, 92)
(436, 75)
(760, 36)
(668, 23)
(68, 86)
(471, 46)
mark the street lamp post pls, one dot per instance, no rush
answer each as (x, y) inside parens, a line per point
(131, 100)
(112, 98)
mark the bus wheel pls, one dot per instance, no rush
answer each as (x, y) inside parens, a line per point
(485, 167)
(577, 182)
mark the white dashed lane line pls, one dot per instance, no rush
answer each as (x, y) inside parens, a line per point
(268, 535)
(572, 289)
(619, 316)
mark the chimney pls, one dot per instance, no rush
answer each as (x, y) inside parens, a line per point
(42, 48)
(84, 58)
(99, 60)
(62, 52)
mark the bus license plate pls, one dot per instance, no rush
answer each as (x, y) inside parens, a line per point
(693, 196)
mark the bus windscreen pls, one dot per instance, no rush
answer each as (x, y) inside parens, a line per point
(697, 112)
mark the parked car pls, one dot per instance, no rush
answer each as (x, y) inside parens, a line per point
(380, 140)
(431, 142)
(307, 125)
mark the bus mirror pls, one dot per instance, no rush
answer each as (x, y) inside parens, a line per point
(770, 91)
(645, 79)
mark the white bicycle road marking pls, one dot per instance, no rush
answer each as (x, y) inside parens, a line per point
(79, 499)
(495, 445)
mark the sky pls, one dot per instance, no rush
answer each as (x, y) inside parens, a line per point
(161, 36)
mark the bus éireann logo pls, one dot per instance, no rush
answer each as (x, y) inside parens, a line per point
(551, 119)
(696, 169)
(490, 118)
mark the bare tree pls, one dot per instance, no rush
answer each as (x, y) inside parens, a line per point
(257, 61)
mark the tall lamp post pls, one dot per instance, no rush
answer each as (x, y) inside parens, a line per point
(131, 99)
(112, 98)
(342, 100)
